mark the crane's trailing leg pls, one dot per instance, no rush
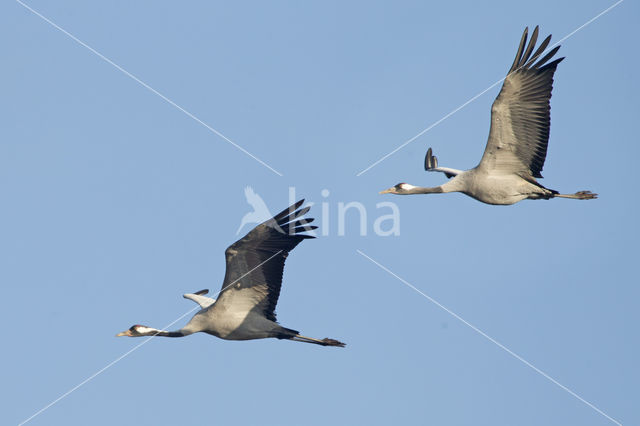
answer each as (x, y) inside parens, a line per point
(324, 342)
(580, 195)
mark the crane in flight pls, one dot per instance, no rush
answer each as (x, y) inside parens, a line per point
(518, 138)
(245, 307)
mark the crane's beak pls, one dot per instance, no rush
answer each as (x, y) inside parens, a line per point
(387, 191)
(124, 333)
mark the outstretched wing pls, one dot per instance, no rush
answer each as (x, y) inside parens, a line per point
(520, 115)
(255, 262)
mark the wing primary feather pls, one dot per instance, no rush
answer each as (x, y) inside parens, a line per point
(553, 64)
(286, 212)
(532, 43)
(547, 57)
(294, 215)
(523, 41)
(201, 292)
(539, 51)
(302, 222)
(304, 229)
(293, 227)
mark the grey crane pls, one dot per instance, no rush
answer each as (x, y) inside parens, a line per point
(245, 307)
(518, 138)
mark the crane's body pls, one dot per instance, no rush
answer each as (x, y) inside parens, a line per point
(245, 307)
(498, 189)
(518, 139)
(228, 323)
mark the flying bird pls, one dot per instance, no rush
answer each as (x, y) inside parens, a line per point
(245, 307)
(518, 138)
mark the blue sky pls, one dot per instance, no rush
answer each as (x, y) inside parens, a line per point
(115, 203)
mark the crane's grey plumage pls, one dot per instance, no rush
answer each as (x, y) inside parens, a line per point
(517, 145)
(245, 307)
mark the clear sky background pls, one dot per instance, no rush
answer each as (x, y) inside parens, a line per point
(114, 203)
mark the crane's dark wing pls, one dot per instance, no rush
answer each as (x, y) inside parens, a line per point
(520, 118)
(255, 262)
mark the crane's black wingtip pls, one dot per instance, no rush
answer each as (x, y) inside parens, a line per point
(304, 228)
(303, 211)
(286, 223)
(290, 211)
(525, 57)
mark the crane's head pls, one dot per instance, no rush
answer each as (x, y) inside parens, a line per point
(138, 331)
(400, 189)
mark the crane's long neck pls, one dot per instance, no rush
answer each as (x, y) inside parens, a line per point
(453, 185)
(149, 331)
(424, 190)
(177, 333)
